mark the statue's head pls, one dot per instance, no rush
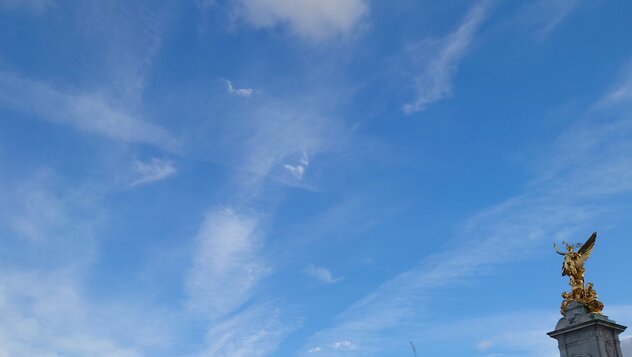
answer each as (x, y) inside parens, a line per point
(569, 247)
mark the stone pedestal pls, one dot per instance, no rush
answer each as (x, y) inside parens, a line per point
(581, 334)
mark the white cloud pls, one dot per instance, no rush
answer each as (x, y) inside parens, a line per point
(227, 263)
(298, 170)
(322, 274)
(311, 19)
(254, 332)
(439, 60)
(344, 345)
(337, 346)
(240, 92)
(85, 112)
(152, 171)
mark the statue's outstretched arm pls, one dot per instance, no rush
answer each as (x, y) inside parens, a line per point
(557, 251)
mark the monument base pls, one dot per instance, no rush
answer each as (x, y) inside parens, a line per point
(582, 334)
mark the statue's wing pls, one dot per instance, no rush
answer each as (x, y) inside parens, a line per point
(587, 248)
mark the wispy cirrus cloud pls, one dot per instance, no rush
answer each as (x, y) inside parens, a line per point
(83, 111)
(44, 314)
(438, 60)
(620, 92)
(153, 170)
(322, 274)
(261, 136)
(124, 39)
(282, 133)
(39, 212)
(311, 19)
(48, 223)
(542, 17)
(227, 264)
(54, 315)
(50, 240)
(254, 332)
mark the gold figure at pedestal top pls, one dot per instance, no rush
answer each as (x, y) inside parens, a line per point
(573, 267)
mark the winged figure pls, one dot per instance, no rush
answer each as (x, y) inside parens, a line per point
(573, 267)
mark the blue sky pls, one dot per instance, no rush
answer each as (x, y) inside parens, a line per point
(308, 178)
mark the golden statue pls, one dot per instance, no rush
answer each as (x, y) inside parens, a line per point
(573, 267)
